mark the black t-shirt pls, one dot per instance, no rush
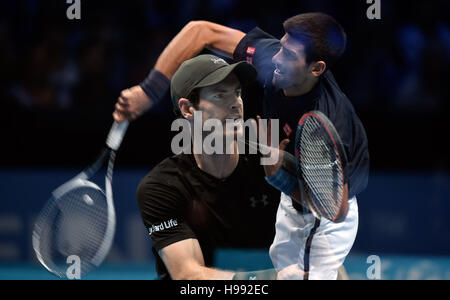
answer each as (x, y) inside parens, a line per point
(258, 47)
(178, 201)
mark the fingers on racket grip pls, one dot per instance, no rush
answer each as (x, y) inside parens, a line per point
(116, 135)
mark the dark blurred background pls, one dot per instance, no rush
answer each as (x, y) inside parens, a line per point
(59, 80)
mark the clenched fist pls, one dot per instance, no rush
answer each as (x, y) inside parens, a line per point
(131, 104)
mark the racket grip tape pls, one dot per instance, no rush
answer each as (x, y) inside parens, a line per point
(116, 135)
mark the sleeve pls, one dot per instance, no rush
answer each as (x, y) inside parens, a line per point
(258, 48)
(162, 210)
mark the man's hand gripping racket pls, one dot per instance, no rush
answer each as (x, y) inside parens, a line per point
(321, 167)
(79, 218)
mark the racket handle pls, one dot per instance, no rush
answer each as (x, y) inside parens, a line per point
(116, 135)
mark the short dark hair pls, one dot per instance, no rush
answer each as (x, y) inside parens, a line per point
(323, 37)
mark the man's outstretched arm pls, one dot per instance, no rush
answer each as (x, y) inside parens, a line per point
(184, 261)
(191, 40)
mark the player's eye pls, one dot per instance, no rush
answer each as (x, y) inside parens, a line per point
(238, 93)
(219, 95)
(288, 54)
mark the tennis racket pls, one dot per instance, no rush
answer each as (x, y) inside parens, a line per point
(79, 218)
(321, 167)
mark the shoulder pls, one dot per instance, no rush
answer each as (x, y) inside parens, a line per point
(333, 101)
(258, 33)
(258, 47)
(341, 112)
(167, 167)
(256, 43)
(164, 180)
(335, 104)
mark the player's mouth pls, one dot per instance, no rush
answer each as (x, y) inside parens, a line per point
(278, 72)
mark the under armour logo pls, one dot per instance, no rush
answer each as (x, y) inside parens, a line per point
(218, 60)
(263, 200)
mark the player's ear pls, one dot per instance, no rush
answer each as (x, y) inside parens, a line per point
(185, 106)
(317, 68)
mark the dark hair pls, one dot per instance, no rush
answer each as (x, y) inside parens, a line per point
(323, 37)
(194, 98)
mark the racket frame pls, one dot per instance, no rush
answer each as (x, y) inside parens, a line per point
(113, 142)
(305, 191)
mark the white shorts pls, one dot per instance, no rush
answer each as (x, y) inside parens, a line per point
(307, 248)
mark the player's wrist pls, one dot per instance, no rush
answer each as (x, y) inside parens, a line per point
(155, 86)
(283, 181)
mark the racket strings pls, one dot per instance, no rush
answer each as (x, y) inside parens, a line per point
(79, 219)
(86, 220)
(73, 224)
(320, 166)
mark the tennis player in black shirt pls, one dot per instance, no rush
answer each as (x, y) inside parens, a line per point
(195, 203)
(295, 75)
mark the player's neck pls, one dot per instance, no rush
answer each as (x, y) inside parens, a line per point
(218, 165)
(303, 89)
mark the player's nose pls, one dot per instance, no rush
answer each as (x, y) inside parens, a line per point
(276, 58)
(236, 104)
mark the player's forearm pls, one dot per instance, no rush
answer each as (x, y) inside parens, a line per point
(192, 39)
(283, 175)
(285, 179)
(195, 36)
(185, 45)
(204, 273)
(216, 274)
(289, 165)
(223, 40)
